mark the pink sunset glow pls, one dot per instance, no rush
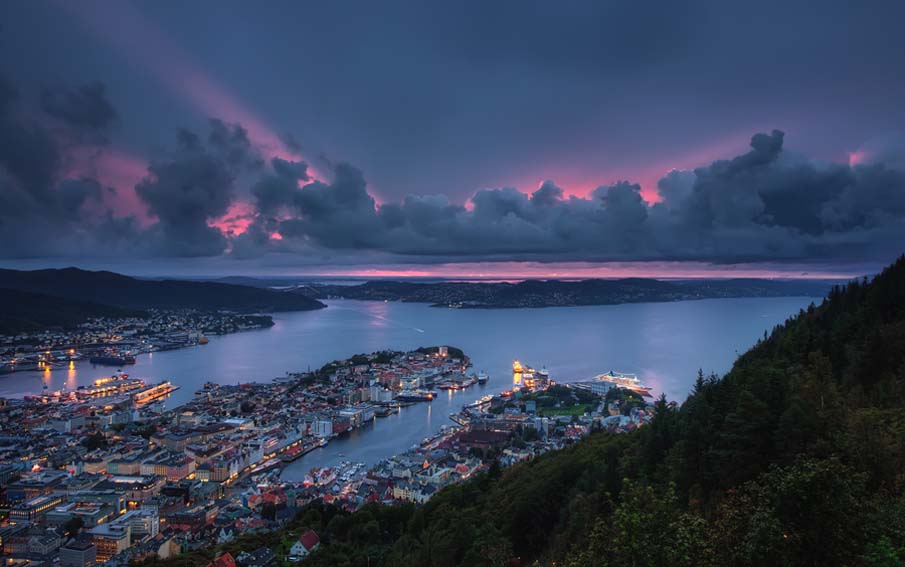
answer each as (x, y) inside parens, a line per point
(581, 181)
(140, 40)
(236, 220)
(515, 271)
(114, 168)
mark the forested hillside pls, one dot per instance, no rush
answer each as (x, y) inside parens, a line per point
(795, 457)
(108, 288)
(21, 311)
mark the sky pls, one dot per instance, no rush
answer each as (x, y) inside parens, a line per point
(548, 139)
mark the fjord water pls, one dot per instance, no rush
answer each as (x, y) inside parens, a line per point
(664, 343)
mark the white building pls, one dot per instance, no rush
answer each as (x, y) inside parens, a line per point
(322, 427)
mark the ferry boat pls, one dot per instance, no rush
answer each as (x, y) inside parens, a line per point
(386, 410)
(267, 465)
(153, 393)
(483, 377)
(623, 380)
(415, 396)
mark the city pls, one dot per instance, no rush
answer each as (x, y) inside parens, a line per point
(116, 341)
(114, 478)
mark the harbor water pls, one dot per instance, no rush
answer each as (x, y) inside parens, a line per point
(663, 343)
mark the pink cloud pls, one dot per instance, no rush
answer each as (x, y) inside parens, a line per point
(236, 220)
(114, 168)
(580, 181)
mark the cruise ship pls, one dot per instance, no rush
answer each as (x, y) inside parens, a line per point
(109, 386)
(627, 381)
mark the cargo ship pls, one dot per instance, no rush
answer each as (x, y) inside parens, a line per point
(112, 360)
(622, 380)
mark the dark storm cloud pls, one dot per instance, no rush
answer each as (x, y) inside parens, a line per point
(28, 153)
(38, 216)
(86, 107)
(761, 205)
(453, 97)
(231, 142)
(764, 204)
(72, 194)
(341, 213)
(47, 211)
(275, 192)
(192, 187)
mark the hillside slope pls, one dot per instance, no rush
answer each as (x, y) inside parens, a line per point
(22, 311)
(795, 457)
(109, 288)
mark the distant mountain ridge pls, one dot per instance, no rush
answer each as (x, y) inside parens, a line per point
(551, 293)
(108, 288)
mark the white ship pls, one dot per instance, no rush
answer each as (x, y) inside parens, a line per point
(627, 381)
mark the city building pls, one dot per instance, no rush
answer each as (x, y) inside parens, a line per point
(78, 554)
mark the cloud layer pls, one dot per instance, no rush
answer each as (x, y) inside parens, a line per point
(765, 204)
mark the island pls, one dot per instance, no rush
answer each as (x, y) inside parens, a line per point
(559, 293)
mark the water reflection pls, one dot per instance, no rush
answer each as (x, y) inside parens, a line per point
(71, 375)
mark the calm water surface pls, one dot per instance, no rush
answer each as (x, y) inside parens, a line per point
(664, 343)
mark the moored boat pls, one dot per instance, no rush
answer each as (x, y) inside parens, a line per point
(112, 360)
